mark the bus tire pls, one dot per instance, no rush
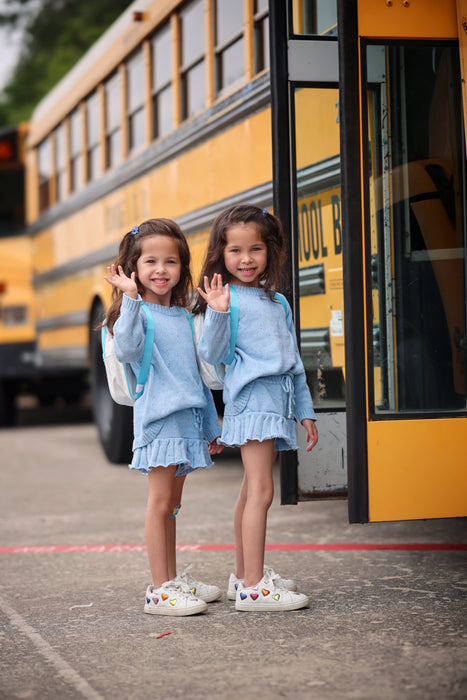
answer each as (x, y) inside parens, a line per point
(114, 422)
(8, 410)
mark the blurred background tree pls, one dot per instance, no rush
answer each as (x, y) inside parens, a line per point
(56, 33)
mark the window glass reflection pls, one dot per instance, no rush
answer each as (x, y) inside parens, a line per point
(415, 195)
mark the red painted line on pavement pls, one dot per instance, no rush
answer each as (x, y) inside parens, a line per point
(298, 547)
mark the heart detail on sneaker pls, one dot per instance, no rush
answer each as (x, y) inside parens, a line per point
(265, 592)
(243, 596)
(164, 596)
(276, 597)
(155, 601)
(253, 596)
(173, 601)
(193, 590)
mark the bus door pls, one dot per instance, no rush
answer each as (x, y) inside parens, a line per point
(405, 189)
(308, 201)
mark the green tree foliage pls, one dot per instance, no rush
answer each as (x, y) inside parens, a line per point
(56, 35)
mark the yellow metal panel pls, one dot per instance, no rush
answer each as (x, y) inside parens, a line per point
(16, 283)
(417, 469)
(416, 19)
(68, 295)
(64, 338)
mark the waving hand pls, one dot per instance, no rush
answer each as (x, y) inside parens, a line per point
(215, 294)
(117, 278)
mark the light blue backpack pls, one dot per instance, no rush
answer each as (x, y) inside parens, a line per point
(125, 388)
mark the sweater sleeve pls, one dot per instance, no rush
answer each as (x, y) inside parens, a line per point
(214, 344)
(211, 427)
(129, 331)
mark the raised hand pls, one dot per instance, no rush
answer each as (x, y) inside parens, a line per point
(117, 278)
(215, 294)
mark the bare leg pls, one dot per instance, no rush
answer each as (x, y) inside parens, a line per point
(258, 458)
(159, 508)
(172, 527)
(238, 519)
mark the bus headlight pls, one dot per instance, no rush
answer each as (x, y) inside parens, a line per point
(14, 315)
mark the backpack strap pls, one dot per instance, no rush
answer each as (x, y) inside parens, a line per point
(234, 314)
(282, 299)
(147, 351)
(189, 316)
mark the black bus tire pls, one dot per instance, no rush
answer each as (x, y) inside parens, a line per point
(114, 422)
(8, 410)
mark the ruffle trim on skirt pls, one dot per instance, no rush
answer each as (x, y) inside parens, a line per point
(238, 430)
(187, 454)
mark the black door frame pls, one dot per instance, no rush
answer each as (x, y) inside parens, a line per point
(351, 196)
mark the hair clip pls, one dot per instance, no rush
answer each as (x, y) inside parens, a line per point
(134, 230)
(265, 213)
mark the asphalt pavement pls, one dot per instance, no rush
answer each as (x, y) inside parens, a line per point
(387, 612)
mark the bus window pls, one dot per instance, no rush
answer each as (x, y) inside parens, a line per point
(60, 163)
(135, 100)
(162, 94)
(320, 244)
(192, 64)
(315, 17)
(261, 35)
(76, 154)
(417, 185)
(113, 110)
(93, 151)
(45, 170)
(228, 43)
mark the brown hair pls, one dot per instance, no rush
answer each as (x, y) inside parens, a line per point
(130, 250)
(272, 234)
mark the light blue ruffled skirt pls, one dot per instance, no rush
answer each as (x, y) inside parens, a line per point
(263, 410)
(178, 440)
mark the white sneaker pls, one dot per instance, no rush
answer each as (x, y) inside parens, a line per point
(265, 596)
(172, 598)
(287, 583)
(203, 591)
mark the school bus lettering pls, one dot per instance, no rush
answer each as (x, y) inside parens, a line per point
(123, 214)
(114, 216)
(311, 231)
(336, 224)
(312, 234)
(304, 234)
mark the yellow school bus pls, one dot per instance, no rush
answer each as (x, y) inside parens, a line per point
(352, 128)
(17, 332)
(168, 114)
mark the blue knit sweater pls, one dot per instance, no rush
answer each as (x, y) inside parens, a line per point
(266, 346)
(173, 381)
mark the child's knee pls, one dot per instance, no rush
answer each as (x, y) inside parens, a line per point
(262, 498)
(160, 507)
